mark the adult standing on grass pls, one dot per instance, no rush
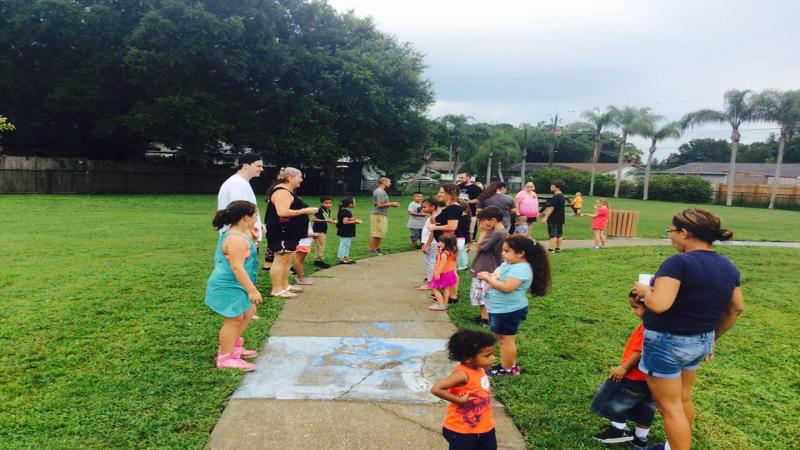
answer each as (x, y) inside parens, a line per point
(237, 187)
(527, 204)
(379, 218)
(287, 223)
(496, 195)
(231, 290)
(693, 299)
(554, 216)
(469, 192)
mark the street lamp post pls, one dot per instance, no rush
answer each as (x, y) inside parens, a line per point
(553, 144)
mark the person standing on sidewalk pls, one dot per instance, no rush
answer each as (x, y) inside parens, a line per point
(321, 220)
(379, 218)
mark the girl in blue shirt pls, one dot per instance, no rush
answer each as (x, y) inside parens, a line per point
(526, 267)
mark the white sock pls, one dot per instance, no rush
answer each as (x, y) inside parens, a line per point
(642, 433)
(666, 446)
(619, 425)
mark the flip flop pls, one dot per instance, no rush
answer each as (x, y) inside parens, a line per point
(284, 294)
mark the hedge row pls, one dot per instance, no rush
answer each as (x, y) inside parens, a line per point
(666, 187)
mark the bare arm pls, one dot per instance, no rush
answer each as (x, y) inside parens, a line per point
(661, 296)
(507, 285)
(456, 379)
(283, 202)
(734, 311)
(619, 372)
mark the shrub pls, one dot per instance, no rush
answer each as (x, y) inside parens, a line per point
(678, 188)
(575, 180)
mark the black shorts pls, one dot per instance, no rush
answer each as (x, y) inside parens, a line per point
(531, 220)
(472, 441)
(279, 245)
(555, 230)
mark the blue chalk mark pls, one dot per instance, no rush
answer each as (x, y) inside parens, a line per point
(382, 325)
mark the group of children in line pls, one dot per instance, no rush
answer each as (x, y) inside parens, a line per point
(503, 270)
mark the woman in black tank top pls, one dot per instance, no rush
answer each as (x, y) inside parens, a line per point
(287, 223)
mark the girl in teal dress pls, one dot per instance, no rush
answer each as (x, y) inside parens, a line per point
(231, 290)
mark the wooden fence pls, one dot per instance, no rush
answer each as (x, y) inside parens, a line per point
(758, 194)
(20, 174)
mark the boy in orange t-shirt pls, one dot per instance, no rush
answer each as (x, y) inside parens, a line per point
(468, 422)
(625, 396)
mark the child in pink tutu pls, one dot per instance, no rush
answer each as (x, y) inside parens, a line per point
(444, 282)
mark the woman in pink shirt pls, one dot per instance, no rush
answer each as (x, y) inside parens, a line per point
(600, 217)
(527, 203)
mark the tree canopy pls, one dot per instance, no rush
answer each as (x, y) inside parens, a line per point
(294, 80)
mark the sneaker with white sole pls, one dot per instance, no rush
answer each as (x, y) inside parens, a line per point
(611, 435)
(295, 289)
(639, 443)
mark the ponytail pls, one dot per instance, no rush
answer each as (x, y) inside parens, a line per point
(346, 202)
(233, 214)
(536, 256)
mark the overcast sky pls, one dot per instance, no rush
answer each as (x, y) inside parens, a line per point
(516, 61)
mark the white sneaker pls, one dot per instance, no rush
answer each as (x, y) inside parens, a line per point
(294, 289)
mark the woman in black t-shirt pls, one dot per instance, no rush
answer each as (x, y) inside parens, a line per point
(447, 220)
(694, 299)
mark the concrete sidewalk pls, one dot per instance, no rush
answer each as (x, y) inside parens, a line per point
(349, 365)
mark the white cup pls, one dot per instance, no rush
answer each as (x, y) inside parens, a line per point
(645, 278)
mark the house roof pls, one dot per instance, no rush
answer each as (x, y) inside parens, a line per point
(443, 166)
(586, 167)
(717, 168)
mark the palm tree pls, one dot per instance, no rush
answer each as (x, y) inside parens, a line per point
(630, 120)
(737, 110)
(784, 109)
(460, 135)
(598, 121)
(670, 130)
(500, 147)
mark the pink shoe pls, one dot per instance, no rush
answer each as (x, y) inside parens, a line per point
(423, 287)
(305, 282)
(241, 352)
(230, 362)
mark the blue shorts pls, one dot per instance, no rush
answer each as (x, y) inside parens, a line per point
(666, 355)
(507, 324)
(624, 400)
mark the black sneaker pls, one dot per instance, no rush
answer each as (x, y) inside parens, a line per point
(497, 371)
(550, 250)
(639, 444)
(494, 370)
(477, 320)
(611, 435)
(484, 323)
(452, 300)
(321, 264)
(558, 250)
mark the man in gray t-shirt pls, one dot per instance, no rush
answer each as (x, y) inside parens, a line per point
(379, 217)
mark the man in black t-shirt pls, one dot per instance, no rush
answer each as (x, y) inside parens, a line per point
(469, 192)
(554, 216)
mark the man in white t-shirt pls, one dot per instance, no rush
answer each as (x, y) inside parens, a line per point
(237, 187)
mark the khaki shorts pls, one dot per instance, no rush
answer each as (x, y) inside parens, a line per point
(378, 226)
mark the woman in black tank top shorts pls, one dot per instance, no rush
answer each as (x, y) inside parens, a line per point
(287, 223)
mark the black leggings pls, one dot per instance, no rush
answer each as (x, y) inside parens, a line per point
(460, 441)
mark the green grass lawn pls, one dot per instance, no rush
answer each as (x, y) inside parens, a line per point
(748, 397)
(747, 224)
(107, 344)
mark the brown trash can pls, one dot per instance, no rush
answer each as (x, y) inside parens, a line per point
(622, 223)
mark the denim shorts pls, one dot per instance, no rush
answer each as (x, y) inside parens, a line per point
(507, 324)
(624, 400)
(666, 355)
(555, 230)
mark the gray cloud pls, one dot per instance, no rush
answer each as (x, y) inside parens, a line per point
(523, 61)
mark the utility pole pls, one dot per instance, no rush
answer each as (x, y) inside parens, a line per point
(553, 144)
(489, 170)
(524, 156)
